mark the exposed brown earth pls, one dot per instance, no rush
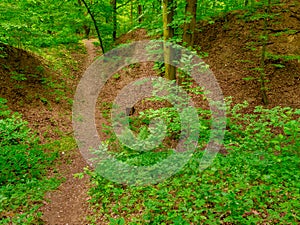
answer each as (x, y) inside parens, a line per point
(69, 204)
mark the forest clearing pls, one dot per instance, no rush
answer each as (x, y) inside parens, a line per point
(239, 162)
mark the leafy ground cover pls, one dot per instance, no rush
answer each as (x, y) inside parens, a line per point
(24, 164)
(256, 181)
(33, 131)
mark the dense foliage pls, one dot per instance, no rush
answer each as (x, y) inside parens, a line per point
(39, 23)
(23, 166)
(256, 180)
(42, 23)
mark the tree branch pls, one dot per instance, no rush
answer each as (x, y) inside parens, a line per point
(95, 24)
(120, 6)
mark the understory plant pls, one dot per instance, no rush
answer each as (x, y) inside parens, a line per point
(23, 164)
(254, 179)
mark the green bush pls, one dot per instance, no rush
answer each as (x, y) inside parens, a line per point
(20, 162)
(14, 131)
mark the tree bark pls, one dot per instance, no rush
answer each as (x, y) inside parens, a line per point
(140, 12)
(168, 13)
(265, 36)
(114, 15)
(188, 37)
(189, 27)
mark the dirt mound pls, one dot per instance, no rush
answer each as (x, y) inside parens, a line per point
(30, 87)
(134, 35)
(234, 48)
(234, 53)
(21, 76)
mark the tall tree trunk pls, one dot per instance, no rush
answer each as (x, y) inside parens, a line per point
(265, 37)
(95, 25)
(114, 15)
(188, 37)
(140, 12)
(168, 13)
(189, 27)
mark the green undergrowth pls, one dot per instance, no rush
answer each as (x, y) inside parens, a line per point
(24, 164)
(61, 60)
(254, 181)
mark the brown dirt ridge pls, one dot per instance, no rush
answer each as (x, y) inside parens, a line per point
(51, 120)
(228, 43)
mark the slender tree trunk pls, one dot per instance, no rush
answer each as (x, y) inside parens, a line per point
(115, 26)
(265, 36)
(95, 25)
(140, 12)
(188, 37)
(168, 13)
(189, 27)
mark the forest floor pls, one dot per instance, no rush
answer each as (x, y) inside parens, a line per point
(50, 118)
(231, 56)
(69, 204)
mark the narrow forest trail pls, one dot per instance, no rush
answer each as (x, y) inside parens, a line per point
(69, 203)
